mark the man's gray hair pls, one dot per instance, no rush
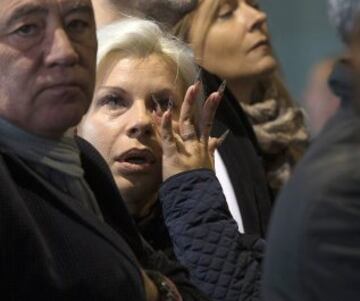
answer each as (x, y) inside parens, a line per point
(343, 14)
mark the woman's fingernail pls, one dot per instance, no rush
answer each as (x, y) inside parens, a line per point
(223, 137)
(156, 118)
(222, 88)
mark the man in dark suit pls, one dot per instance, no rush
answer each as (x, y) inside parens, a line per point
(313, 248)
(64, 231)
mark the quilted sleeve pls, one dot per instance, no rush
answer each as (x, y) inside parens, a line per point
(223, 263)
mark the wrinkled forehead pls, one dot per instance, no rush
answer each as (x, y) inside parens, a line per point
(13, 9)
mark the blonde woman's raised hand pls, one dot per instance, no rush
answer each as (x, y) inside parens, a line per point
(186, 143)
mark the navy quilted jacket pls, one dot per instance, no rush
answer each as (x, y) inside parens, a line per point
(223, 263)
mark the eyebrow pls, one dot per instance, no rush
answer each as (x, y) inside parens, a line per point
(79, 7)
(34, 9)
(104, 88)
(26, 10)
(161, 92)
(108, 87)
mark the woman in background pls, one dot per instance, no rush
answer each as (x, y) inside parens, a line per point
(230, 39)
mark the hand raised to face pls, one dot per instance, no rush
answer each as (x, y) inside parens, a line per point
(189, 146)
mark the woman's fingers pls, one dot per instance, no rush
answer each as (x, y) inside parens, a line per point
(187, 128)
(209, 111)
(182, 148)
(167, 135)
(215, 143)
(208, 115)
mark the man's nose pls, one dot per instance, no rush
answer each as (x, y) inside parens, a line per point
(60, 50)
(141, 124)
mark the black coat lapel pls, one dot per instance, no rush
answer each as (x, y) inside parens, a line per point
(99, 177)
(242, 157)
(28, 180)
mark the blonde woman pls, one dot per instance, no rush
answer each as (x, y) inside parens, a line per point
(145, 75)
(230, 40)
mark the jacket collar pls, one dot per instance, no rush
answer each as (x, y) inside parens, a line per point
(29, 180)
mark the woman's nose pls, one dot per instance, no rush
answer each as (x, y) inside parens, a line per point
(141, 124)
(256, 17)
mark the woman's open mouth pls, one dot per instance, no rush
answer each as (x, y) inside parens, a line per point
(135, 161)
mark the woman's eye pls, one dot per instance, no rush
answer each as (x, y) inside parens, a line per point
(112, 101)
(225, 14)
(28, 30)
(226, 10)
(254, 4)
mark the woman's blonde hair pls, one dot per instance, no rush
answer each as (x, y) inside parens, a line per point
(141, 38)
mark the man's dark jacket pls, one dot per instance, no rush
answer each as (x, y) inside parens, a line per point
(313, 250)
(54, 249)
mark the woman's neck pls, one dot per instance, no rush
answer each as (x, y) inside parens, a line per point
(139, 207)
(242, 89)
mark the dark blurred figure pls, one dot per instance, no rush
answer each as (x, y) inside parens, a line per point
(314, 243)
(355, 56)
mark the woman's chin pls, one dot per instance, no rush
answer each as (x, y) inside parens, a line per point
(137, 190)
(266, 66)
